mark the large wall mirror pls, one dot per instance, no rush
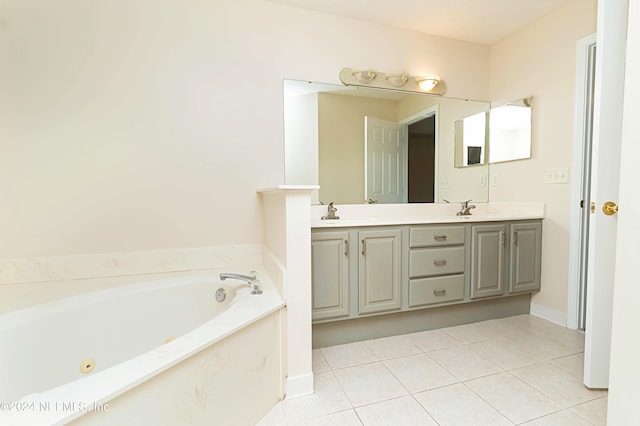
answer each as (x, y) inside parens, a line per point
(362, 144)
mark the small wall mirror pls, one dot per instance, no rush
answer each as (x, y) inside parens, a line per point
(471, 140)
(510, 132)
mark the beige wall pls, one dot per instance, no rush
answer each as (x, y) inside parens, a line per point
(539, 61)
(144, 124)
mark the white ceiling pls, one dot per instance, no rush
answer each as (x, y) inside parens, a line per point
(478, 21)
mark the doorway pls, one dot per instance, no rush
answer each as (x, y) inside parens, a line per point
(422, 154)
(421, 160)
(581, 190)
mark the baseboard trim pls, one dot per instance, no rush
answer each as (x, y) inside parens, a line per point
(549, 314)
(299, 385)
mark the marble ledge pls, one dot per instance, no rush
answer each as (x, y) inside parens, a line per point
(63, 268)
(287, 188)
(422, 214)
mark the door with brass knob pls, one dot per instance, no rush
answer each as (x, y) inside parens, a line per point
(610, 208)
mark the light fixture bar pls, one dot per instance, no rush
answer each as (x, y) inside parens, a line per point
(430, 84)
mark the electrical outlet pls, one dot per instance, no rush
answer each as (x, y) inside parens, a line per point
(444, 183)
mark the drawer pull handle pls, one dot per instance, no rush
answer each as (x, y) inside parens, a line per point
(440, 237)
(364, 247)
(346, 248)
(440, 292)
(440, 262)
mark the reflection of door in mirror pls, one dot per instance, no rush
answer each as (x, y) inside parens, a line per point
(385, 168)
(400, 161)
(509, 133)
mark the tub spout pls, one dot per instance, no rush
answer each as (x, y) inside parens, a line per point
(250, 280)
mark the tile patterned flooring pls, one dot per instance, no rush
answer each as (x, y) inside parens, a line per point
(519, 370)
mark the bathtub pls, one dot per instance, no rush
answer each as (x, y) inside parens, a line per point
(156, 352)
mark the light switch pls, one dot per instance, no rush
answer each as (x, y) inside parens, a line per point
(553, 176)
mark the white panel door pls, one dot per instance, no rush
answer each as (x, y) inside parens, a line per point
(607, 130)
(625, 346)
(385, 169)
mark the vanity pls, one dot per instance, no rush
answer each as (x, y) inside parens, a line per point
(403, 261)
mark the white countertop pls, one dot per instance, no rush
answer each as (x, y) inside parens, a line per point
(419, 214)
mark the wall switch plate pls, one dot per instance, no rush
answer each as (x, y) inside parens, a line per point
(495, 180)
(444, 183)
(483, 181)
(554, 176)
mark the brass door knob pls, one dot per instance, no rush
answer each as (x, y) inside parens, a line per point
(609, 208)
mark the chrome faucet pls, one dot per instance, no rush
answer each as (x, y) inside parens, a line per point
(465, 208)
(251, 280)
(331, 212)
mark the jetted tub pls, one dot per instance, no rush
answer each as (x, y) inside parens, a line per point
(157, 352)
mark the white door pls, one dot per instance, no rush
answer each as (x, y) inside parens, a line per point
(607, 129)
(385, 170)
(625, 345)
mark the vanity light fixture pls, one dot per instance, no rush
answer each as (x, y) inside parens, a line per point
(430, 84)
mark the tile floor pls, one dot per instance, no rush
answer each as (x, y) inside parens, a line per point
(510, 371)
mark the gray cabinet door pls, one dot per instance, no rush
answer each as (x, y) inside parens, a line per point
(330, 275)
(525, 257)
(379, 271)
(487, 260)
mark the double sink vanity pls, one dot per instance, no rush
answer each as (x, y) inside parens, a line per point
(406, 261)
(386, 259)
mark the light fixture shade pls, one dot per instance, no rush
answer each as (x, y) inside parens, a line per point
(365, 76)
(428, 83)
(396, 80)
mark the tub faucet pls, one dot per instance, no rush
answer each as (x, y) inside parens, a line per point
(465, 208)
(250, 280)
(331, 212)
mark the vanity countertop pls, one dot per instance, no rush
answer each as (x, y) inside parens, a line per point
(352, 215)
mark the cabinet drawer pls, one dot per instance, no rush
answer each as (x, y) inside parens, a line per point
(436, 261)
(436, 236)
(425, 291)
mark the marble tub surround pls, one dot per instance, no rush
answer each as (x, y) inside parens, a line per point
(30, 281)
(422, 213)
(206, 359)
